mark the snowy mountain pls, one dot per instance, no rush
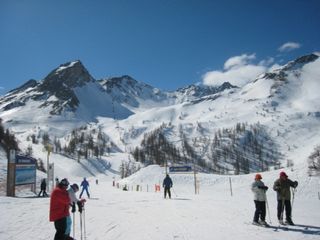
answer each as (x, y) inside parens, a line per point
(270, 121)
(98, 127)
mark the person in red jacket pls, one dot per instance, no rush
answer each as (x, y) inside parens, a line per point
(59, 209)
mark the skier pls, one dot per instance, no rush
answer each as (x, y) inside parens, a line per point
(282, 186)
(43, 187)
(57, 182)
(59, 209)
(85, 185)
(73, 201)
(167, 184)
(259, 195)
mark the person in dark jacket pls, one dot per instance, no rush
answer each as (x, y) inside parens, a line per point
(259, 196)
(59, 209)
(85, 185)
(43, 187)
(167, 184)
(282, 187)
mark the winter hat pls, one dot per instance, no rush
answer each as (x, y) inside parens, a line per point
(258, 176)
(64, 182)
(283, 174)
(75, 186)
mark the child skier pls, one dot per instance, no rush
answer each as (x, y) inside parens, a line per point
(259, 195)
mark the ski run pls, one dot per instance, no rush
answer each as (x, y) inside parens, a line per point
(214, 213)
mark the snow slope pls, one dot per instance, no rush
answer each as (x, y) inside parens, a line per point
(287, 107)
(212, 214)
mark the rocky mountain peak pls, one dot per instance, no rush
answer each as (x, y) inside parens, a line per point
(203, 90)
(29, 84)
(299, 62)
(70, 74)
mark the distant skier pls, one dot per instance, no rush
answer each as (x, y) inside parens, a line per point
(85, 185)
(282, 186)
(57, 182)
(43, 187)
(167, 184)
(73, 189)
(59, 209)
(259, 195)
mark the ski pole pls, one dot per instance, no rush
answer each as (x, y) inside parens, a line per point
(293, 192)
(74, 224)
(81, 225)
(268, 209)
(84, 224)
(174, 192)
(282, 210)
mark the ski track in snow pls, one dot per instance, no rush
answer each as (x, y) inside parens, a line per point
(121, 215)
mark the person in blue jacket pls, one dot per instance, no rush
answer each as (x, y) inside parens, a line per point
(167, 184)
(85, 185)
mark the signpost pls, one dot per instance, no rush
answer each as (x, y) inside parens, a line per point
(21, 171)
(180, 169)
(11, 174)
(186, 169)
(48, 149)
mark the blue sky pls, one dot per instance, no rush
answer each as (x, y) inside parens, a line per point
(165, 43)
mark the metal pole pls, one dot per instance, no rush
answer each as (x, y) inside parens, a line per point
(81, 226)
(48, 169)
(166, 166)
(268, 208)
(195, 180)
(84, 224)
(293, 192)
(230, 185)
(74, 223)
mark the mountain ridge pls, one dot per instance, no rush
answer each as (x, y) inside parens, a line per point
(126, 111)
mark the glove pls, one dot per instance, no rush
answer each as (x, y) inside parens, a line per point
(80, 206)
(263, 187)
(295, 184)
(277, 189)
(73, 207)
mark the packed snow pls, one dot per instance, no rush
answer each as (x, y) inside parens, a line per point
(216, 212)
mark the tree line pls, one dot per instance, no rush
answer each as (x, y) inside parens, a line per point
(7, 139)
(314, 161)
(240, 149)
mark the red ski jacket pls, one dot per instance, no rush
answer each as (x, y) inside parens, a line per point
(59, 204)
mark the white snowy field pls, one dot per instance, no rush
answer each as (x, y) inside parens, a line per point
(212, 214)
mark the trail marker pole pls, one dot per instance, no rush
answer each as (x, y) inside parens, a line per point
(230, 186)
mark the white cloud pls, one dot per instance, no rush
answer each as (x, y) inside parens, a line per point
(289, 46)
(238, 61)
(311, 84)
(266, 62)
(237, 70)
(274, 67)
